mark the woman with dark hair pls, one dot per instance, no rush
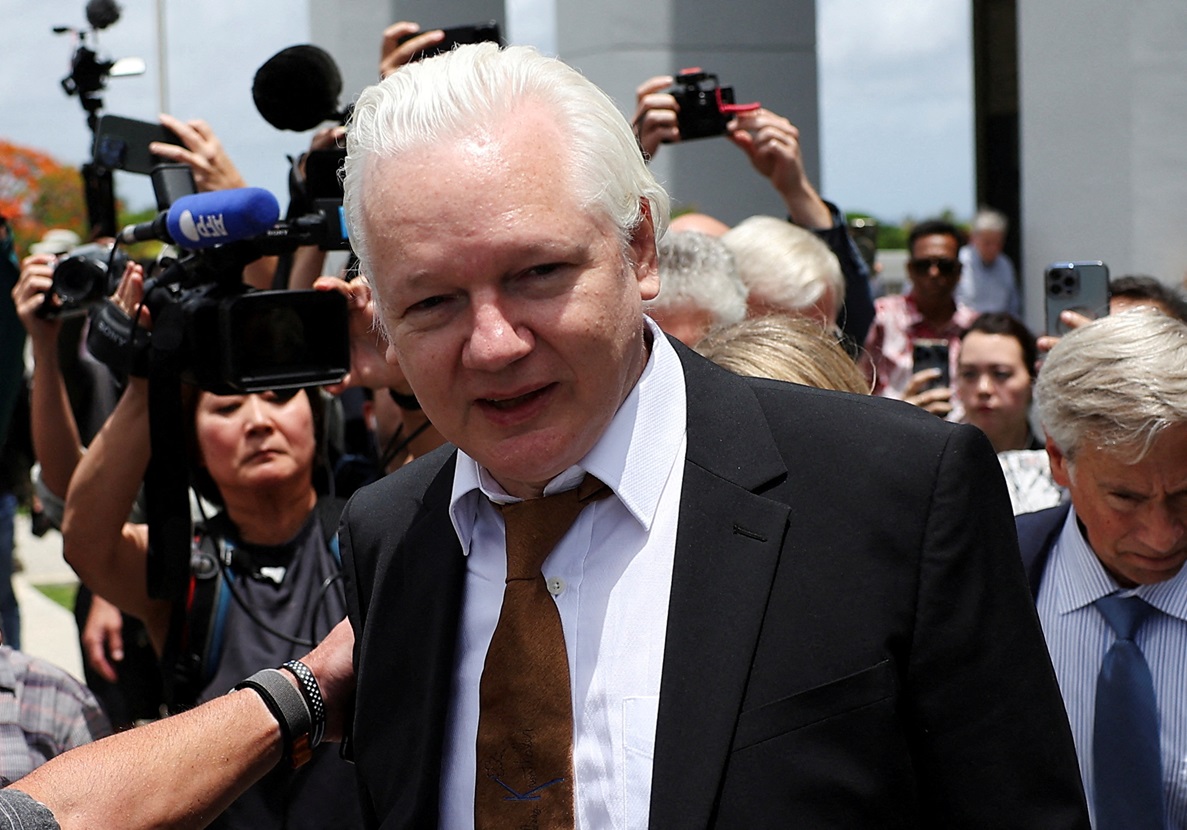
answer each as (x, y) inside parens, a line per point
(995, 376)
(265, 583)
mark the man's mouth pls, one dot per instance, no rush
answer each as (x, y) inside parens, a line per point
(506, 404)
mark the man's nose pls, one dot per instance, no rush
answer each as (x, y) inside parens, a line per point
(495, 340)
(1163, 529)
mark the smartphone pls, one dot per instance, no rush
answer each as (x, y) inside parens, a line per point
(458, 35)
(122, 143)
(1082, 287)
(932, 354)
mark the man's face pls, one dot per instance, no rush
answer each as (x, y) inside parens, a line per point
(686, 323)
(934, 268)
(1135, 515)
(988, 245)
(513, 310)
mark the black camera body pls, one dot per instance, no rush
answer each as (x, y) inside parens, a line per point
(88, 275)
(701, 99)
(222, 335)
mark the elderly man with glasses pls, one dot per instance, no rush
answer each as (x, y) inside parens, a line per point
(927, 312)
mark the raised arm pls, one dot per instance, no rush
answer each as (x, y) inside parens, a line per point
(181, 772)
(108, 553)
(56, 442)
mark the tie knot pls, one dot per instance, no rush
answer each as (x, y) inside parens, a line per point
(535, 526)
(1124, 615)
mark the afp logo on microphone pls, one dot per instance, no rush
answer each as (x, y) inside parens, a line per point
(205, 227)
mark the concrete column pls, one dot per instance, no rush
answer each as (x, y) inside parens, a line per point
(1101, 120)
(766, 51)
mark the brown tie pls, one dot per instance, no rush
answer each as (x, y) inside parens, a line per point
(524, 777)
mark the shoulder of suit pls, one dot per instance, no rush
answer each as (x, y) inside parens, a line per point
(407, 484)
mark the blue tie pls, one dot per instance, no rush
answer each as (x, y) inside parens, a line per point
(1127, 764)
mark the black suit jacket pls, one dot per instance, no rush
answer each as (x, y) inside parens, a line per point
(850, 641)
(1037, 533)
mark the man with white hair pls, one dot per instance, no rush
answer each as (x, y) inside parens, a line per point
(987, 280)
(1113, 401)
(771, 605)
(699, 286)
(786, 269)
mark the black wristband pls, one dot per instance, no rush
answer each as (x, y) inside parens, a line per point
(312, 694)
(288, 706)
(408, 402)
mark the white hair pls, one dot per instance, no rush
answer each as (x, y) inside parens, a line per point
(453, 94)
(1117, 382)
(697, 271)
(988, 219)
(783, 265)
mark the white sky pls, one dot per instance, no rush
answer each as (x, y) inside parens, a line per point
(895, 90)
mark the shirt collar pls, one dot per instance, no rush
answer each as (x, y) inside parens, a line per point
(1082, 579)
(633, 457)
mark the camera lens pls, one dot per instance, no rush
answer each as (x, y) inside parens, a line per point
(83, 276)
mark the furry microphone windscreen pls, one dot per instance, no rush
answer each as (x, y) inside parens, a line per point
(298, 88)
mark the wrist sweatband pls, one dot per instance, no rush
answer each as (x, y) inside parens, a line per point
(287, 705)
(408, 402)
(312, 694)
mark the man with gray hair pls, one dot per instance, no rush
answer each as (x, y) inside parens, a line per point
(699, 287)
(1107, 570)
(640, 590)
(988, 281)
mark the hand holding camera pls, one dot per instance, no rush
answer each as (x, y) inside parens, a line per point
(690, 105)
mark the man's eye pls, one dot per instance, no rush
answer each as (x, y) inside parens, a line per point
(426, 304)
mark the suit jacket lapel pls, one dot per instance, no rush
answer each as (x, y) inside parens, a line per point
(727, 546)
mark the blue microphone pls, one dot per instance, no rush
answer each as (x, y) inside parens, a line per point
(221, 216)
(206, 219)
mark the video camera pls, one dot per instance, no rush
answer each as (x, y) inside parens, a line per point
(706, 107)
(210, 328)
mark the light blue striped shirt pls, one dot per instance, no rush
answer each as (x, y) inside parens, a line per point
(1078, 638)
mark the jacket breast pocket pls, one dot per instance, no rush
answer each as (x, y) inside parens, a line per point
(838, 697)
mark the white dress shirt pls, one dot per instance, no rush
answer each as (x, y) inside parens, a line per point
(1078, 637)
(611, 576)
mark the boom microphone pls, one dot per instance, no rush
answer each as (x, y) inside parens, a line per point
(207, 219)
(298, 88)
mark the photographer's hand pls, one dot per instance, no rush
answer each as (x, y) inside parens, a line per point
(1071, 319)
(772, 143)
(655, 120)
(30, 293)
(203, 152)
(393, 54)
(937, 401)
(369, 365)
(103, 638)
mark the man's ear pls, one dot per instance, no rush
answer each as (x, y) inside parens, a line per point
(1060, 466)
(644, 258)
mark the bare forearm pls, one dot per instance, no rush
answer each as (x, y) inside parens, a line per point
(104, 487)
(179, 772)
(56, 442)
(805, 207)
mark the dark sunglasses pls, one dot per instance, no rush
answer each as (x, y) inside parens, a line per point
(946, 266)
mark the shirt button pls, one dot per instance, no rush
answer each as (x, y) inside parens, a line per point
(556, 586)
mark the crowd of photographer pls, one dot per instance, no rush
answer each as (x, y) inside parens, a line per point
(255, 395)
